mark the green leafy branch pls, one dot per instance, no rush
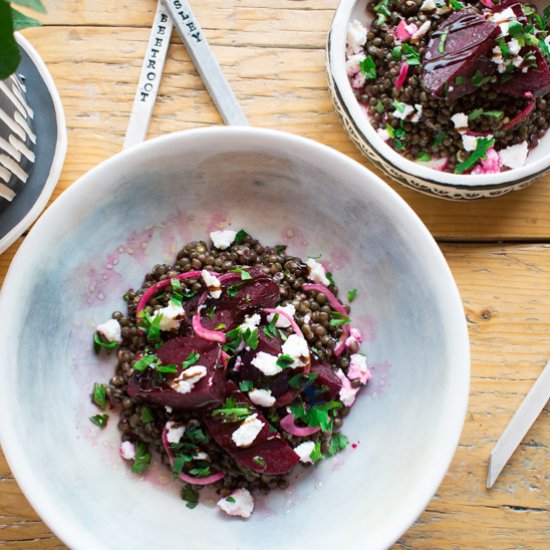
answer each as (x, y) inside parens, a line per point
(12, 20)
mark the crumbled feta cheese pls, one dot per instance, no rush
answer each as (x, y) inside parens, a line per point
(514, 47)
(460, 120)
(356, 37)
(317, 272)
(223, 239)
(127, 450)
(358, 369)
(110, 330)
(517, 61)
(304, 451)
(442, 10)
(404, 112)
(383, 134)
(418, 113)
(352, 63)
(514, 156)
(168, 409)
(490, 164)
(251, 322)
(354, 337)
(263, 398)
(469, 142)
(347, 392)
(282, 321)
(213, 284)
(358, 81)
(172, 314)
(186, 381)
(240, 504)
(174, 431)
(296, 347)
(428, 5)
(266, 363)
(421, 32)
(200, 455)
(248, 431)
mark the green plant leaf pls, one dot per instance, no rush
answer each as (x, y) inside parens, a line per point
(22, 21)
(9, 52)
(35, 5)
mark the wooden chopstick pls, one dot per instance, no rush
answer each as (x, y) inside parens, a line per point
(522, 420)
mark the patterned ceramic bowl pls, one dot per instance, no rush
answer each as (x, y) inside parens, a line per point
(399, 168)
(137, 209)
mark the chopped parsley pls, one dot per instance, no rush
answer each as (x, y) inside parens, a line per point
(250, 337)
(245, 276)
(338, 319)
(146, 415)
(317, 415)
(280, 248)
(231, 499)
(424, 157)
(151, 325)
(476, 113)
(166, 369)
(302, 380)
(221, 326)
(142, 459)
(368, 68)
(241, 236)
(383, 11)
(99, 396)
(100, 420)
(330, 278)
(233, 411)
(180, 460)
(192, 358)
(201, 471)
(260, 461)
(479, 80)
(410, 55)
(100, 343)
(379, 107)
(482, 146)
(439, 139)
(145, 361)
(270, 330)
(196, 434)
(233, 289)
(190, 495)
(338, 443)
(352, 294)
(316, 454)
(284, 361)
(246, 385)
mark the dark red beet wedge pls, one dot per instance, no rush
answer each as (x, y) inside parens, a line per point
(326, 377)
(269, 453)
(536, 80)
(208, 391)
(453, 49)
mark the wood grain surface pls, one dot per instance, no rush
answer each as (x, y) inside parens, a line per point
(272, 52)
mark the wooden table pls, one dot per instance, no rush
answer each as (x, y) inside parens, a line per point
(272, 52)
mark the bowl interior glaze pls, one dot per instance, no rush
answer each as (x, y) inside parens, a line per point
(135, 210)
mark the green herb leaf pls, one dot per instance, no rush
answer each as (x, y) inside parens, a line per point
(280, 248)
(99, 419)
(424, 157)
(260, 461)
(338, 443)
(192, 358)
(398, 106)
(232, 290)
(352, 294)
(146, 415)
(98, 341)
(270, 330)
(439, 139)
(410, 55)
(251, 338)
(245, 276)
(195, 433)
(479, 80)
(455, 4)
(396, 53)
(149, 324)
(246, 385)
(241, 236)
(99, 396)
(379, 107)
(231, 499)
(190, 495)
(203, 471)
(233, 411)
(476, 113)
(180, 460)
(221, 326)
(176, 299)
(338, 319)
(316, 416)
(316, 454)
(459, 80)
(145, 361)
(176, 284)
(142, 459)
(166, 369)
(282, 335)
(483, 144)
(284, 361)
(368, 68)
(302, 380)
(330, 278)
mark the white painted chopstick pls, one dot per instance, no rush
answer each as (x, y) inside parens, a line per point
(150, 77)
(522, 420)
(205, 62)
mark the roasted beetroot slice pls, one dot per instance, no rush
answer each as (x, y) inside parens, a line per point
(278, 457)
(326, 377)
(466, 36)
(208, 391)
(483, 67)
(516, 7)
(536, 80)
(251, 295)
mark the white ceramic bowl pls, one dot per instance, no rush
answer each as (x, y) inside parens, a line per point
(136, 209)
(401, 169)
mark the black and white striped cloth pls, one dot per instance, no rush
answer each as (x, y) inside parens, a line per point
(17, 138)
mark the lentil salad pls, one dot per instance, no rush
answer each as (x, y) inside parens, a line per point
(458, 86)
(234, 364)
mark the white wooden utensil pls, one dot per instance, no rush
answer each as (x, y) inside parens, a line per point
(522, 420)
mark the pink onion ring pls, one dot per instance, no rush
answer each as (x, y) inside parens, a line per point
(403, 72)
(288, 423)
(186, 477)
(205, 333)
(487, 3)
(335, 304)
(288, 317)
(524, 114)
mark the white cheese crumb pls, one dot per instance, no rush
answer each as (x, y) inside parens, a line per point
(418, 113)
(127, 450)
(514, 156)
(357, 36)
(241, 503)
(171, 316)
(213, 284)
(358, 369)
(421, 32)
(223, 239)
(248, 431)
(263, 398)
(428, 5)
(266, 363)
(352, 64)
(304, 451)
(383, 134)
(460, 120)
(404, 112)
(282, 321)
(469, 142)
(186, 381)
(251, 322)
(514, 47)
(317, 272)
(174, 431)
(347, 392)
(110, 330)
(296, 347)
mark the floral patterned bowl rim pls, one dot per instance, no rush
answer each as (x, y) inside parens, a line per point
(403, 170)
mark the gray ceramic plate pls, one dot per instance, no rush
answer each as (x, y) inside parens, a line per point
(50, 149)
